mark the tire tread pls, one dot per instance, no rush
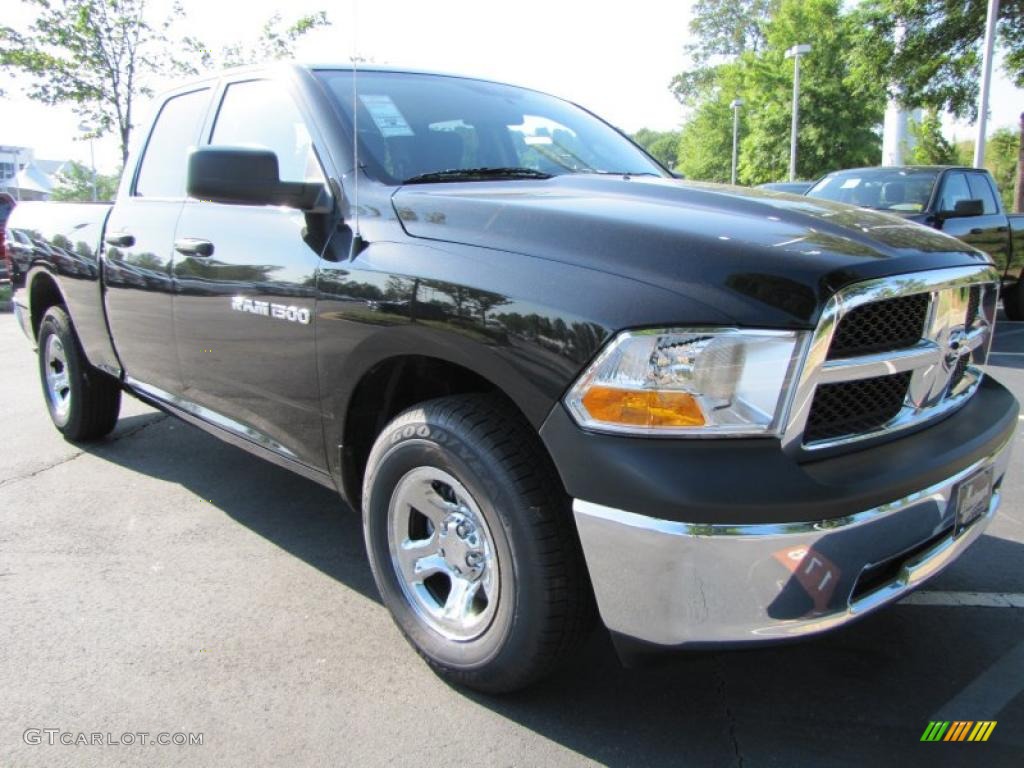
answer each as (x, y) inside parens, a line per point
(496, 427)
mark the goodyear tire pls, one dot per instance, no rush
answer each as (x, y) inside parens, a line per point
(83, 402)
(472, 545)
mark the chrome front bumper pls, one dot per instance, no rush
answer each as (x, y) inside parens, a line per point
(679, 584)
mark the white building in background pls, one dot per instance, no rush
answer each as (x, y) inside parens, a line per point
(12, 160)
(26, 178)
(897, 137)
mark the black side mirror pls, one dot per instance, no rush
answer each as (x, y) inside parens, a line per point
(246, 176)
(963, 209)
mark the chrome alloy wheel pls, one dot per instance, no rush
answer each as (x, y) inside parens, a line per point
(443, 553)
(58, 383)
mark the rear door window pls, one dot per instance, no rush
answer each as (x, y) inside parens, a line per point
(982, 190)
(165, 160)
(954, 189)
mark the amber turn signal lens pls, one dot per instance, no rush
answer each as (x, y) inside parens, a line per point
(643, 408)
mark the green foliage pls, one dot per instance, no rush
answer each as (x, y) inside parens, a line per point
(662, 145)
(99, 56)
(838, 110)
(931, 147)
(938, 63)
(729, 27)
(276, 41)
(964, 152)
(92, 54)
(705, 144)
(1001, 153)
(75, 184)
(722, 29)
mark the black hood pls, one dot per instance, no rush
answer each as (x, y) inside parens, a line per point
(717, 244)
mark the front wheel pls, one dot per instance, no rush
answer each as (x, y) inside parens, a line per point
(471, 542)
(83, 402)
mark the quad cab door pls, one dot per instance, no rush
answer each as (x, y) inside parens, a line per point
(988, 232)
(246, 274)
(138, 256)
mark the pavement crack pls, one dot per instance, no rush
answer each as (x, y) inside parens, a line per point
(730, 716)
(71, 457)
(40, 470)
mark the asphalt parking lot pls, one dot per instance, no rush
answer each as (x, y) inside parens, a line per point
(163, 582)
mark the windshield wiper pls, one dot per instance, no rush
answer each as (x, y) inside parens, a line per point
(626, 173)
(477, 174)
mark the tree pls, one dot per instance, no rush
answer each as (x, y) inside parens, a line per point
(729, 27)
(931, 146)
(936, 62)
(1001, 157)
(705, 143)
(100, 56)
(662, 145)
(75, 183)
(723, 30)
(276, 41)
(839, 110)
(1001, 153)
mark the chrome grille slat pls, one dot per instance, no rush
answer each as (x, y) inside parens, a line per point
(880, 363)
(943, 365)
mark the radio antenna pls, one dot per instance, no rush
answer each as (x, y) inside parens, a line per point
(357, 240)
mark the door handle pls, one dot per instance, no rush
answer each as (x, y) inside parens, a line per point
(1002, 229)
(120, 239)
(193, 246)
(977, 231)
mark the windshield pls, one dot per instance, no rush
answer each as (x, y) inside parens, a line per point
(416, 124)
(884, 189)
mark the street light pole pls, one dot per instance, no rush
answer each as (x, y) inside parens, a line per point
(986, 82)
(736, 104)
(795, 53)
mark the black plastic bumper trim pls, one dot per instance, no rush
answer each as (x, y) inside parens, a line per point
(749, 481)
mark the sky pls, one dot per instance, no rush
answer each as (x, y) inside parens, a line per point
(618, 64)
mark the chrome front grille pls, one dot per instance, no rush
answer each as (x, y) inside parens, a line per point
(893, 353)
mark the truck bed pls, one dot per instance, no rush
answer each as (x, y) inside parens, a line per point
(66, 241)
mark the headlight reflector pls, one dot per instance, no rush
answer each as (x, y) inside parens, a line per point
(689, 382)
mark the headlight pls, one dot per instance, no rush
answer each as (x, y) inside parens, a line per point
(689, 382)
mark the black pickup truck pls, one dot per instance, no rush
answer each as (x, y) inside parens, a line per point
(963, 202)
(556, 381)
